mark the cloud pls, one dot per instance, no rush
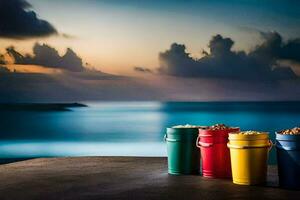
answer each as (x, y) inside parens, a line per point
(222, 72)
(2, 60)
(67, 36)
(17, 21)
(47, 56)
(70, 86)
(274, 48)
(211, 89)
(222, 62)
(142, 69)
(92, 86)
(4, 69)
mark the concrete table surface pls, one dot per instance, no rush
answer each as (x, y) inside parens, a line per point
(121, 178)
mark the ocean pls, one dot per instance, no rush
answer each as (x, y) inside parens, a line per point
(129, 128)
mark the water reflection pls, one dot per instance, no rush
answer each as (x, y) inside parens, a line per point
(29, 149)
(124, 128)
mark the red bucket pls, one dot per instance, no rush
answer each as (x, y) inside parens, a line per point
(215, 154)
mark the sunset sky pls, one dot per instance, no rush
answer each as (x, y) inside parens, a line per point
(132, 38)
(116, 35)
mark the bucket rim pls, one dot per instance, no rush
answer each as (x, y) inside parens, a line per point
(181, 131)
(286, 136)
(241, 137)
(185, 128)
(216, 133)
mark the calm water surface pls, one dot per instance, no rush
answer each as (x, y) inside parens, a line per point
(128, 128)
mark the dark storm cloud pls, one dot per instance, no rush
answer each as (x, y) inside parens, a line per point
(17, 21)
(222, 62)
(47, 56)
(4, 70)
(275, 48)
(2, 60)
(142, 69)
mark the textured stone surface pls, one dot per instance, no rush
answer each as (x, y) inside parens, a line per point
(121, 178)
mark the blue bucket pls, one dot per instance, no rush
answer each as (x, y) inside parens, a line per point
(288, 158)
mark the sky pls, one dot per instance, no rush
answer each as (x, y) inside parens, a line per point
(169, 50)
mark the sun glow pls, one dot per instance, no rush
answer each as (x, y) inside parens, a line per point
(32, 69)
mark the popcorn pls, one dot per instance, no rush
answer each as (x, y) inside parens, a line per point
(189, 126)
(219, 127)
(250, 132)
(213, 127)
(292, 131)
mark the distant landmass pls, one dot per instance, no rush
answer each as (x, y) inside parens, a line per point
(39, 106)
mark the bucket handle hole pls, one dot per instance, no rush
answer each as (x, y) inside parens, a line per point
(202, 144)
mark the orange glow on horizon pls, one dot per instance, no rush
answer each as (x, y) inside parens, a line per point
(33, 69)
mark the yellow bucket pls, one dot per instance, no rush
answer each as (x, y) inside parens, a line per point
(249, 157)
